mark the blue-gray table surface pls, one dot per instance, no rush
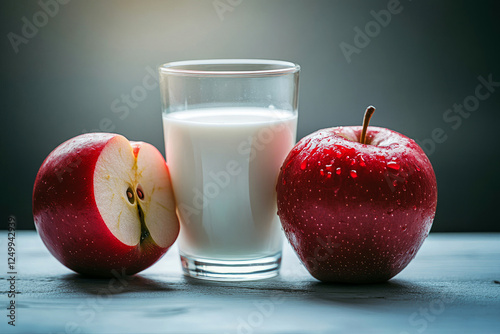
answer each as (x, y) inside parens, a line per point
(452, 286)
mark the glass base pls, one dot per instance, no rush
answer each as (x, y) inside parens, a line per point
(231, 270)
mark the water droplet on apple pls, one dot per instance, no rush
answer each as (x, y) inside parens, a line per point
(321, 172)
(393, 165)
(354, 174)
(415, 208)
(404, 228)
(303, 165)
(395, 183)
(398, 201)
(338, 171)
(417, 168)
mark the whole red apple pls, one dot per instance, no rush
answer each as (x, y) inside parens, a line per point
(356, 203)
(103, 205)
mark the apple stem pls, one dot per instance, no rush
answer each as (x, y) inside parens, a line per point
(368, 114)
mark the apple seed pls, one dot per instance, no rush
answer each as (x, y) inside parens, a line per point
(130, 195)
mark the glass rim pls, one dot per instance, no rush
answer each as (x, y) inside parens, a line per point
(175, 67)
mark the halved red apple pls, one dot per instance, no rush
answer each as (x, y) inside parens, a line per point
(103, 204)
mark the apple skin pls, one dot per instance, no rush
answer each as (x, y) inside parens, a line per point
(68, 220)
(356, 213)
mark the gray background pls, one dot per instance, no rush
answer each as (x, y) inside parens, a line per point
(64, 80)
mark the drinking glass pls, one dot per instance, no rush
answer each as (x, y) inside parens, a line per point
(228, 126)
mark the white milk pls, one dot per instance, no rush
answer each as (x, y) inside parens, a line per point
(224, 164)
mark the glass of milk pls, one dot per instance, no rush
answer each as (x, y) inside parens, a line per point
(228, 125)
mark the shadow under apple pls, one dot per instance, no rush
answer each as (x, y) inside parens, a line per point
(112, 286)
(400, 291)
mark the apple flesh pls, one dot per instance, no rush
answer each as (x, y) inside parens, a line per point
(353, 212)
(102, 205)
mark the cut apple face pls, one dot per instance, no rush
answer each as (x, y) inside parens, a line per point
(133, 193)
